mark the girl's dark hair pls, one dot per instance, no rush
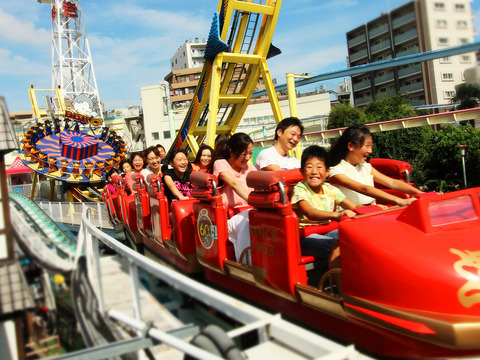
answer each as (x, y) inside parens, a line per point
(238, 143)
(127, 161)
(134, 154)
(355, 134)
(315, 151)
(174, 153)
(150, 149)
(112, 172)
(199, 155)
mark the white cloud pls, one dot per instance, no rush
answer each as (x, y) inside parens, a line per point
(22, 31)
(19, 65)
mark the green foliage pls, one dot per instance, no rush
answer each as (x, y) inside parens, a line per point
(467, 95)
(389, 108)
(343, 115)
(443, 166)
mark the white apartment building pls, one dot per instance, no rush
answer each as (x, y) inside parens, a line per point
(189, 55)
(415, 27)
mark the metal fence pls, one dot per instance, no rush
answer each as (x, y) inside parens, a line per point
(71, 213)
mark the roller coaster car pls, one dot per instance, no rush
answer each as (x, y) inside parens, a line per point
(158, 224)
(127, 204)
(112, 205)
(416, 270)
(405, 288)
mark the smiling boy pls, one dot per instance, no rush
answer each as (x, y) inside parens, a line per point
(287, 135)
(315, 202)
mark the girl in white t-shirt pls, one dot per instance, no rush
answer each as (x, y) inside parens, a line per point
(355, 177)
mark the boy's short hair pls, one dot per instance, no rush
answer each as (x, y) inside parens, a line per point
(286, 123)
(315, 151)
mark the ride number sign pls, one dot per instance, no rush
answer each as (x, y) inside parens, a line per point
(207, 232)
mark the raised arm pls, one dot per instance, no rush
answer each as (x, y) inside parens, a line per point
(237, 186)
(394, 184)
(368, 190)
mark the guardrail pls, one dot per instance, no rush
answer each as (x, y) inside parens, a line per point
(71, 213)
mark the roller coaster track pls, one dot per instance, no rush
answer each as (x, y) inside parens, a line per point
(229, 78)
(40, 237)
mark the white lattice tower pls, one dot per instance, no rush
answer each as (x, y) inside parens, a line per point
(72, 66)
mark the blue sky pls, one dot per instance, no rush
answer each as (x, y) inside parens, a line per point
(132, 41)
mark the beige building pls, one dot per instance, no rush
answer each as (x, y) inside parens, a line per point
(417, 26)
(257, 116)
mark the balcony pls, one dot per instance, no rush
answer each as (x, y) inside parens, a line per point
(413, 50)
(404, 19)
(410, 34)
(384, 78)
(363, 100)
(362, 85)
(358, 55)
(356, 40)
(411, 70)
(412, 87)
(381, 46)
(388, 92)
(378, 30)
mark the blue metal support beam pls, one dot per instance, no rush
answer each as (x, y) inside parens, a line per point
(384, 64)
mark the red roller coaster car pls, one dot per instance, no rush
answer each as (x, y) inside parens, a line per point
(409, 279)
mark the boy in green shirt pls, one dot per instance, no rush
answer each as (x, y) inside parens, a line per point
(315, 202)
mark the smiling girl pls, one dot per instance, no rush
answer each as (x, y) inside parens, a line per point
(177, 178)
(355, 177)
(232, 168)
(203, 161)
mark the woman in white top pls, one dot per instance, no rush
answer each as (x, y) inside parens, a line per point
(355, 177)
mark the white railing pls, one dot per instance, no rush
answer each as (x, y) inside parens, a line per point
(71, 213)
(270, 327)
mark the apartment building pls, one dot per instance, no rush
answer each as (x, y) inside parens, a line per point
(417, 26)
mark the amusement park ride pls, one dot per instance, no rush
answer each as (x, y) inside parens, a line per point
(405, 288)
(408, 285)
(67, 142)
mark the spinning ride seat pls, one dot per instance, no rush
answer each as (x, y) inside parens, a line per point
(142, 205)
(210, 214)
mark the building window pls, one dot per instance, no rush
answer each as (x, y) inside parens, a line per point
(448, 94)
(442, 41)
(175, 61)
(166, 134)
(442, 23)
(446, 60)
(447, 76)
(172, 64)
(155, 136)
(196, 76)
(459, 7)
(463, 40)
(462, 24)
(465, 58)
(439, 6)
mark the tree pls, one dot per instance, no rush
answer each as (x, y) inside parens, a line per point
(443, 165)
(467, 95)
(343, 115)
